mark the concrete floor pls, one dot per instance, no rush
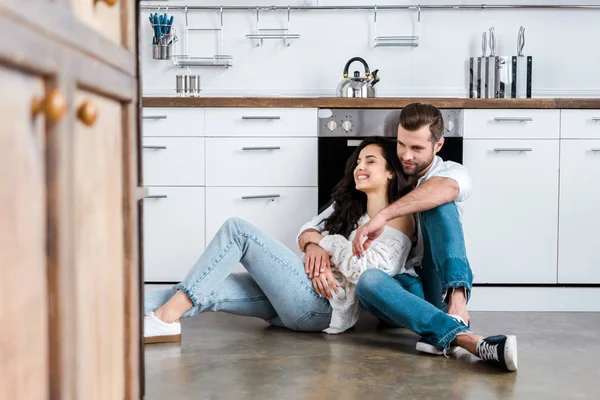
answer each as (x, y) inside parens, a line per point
(228, 357)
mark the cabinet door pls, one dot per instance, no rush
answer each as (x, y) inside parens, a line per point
(173, 232)
(511, 218)
(579, 217)
(23, 291)
(99, 262)
(104, 16)
(280, 216)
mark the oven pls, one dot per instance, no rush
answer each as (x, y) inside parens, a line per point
(340, 131)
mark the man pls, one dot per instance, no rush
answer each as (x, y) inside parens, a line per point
(439, 254)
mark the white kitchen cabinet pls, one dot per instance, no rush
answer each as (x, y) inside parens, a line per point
(174, 232)
(177, 161)
(579, 221)
(511, 217)
(580, 124)
(261, 122)
(277, 211)
(261, 161)
(172, 121)
(511, 124)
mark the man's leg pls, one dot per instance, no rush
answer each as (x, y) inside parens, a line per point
(446, 273)
(386, 298)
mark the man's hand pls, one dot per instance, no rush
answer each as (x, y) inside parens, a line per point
(316, 259)
(325, 282)
(371, 230)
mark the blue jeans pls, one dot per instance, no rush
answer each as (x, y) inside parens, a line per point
(275, 288)
(419, 304)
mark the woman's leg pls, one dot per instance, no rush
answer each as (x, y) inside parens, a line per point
(275, 269)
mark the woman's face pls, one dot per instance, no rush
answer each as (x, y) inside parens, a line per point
(371, 174)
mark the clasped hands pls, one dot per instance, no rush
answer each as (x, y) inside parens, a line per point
(317, 265)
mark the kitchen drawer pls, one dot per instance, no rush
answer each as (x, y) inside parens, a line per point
(261, 161)
(580, 124)
(173, 161)
(280, 216)
(159, 121)
(511, 124)
(174, 231)
(261, 122)
(511, 218)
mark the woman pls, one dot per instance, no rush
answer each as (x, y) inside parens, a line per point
(276, 287)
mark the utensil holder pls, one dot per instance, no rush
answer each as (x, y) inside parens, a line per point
(162, 51)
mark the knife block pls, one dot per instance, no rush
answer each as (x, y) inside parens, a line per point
(521, 76)
(500, 77)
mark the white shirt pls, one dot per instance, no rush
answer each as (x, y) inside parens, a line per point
(387, 253)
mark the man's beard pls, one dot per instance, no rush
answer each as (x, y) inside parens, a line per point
(417, 168)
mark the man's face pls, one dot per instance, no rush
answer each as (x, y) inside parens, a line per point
(415, 150)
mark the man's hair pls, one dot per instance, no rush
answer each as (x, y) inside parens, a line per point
(417, 115)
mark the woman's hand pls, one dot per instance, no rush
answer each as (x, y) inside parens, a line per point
(324, 283)
(309, 237)
(315, 260)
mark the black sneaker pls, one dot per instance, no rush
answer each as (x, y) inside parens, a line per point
(499, 350)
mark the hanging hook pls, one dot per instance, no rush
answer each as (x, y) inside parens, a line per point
(419, 13)
(375, 13)
(221, 17)
(186, 19)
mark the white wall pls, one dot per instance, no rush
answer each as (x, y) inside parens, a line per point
(563, 43)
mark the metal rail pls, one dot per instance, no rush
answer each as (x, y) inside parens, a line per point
(153, 6)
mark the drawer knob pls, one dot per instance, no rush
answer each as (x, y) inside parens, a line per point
(87, 113)
(109, 3)
(54, 106)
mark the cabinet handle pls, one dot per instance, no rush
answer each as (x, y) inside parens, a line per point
(109, 3)
(156, 196)
(154, 117)
(155, 147)
(54, 106)
(595, 118)
(267, 117)
(87, 113)
(516, 119)
(261, 196)
(596, 150)
(513, 150)
(262, 148)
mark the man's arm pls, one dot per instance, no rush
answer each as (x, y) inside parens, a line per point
(434, 192)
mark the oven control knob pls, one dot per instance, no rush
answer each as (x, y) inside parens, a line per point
(449, 125)
(332, 125)
(347, 125)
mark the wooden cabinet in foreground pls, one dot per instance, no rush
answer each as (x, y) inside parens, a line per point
(69, 224)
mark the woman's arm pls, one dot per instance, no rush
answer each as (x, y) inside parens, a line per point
(388, 253)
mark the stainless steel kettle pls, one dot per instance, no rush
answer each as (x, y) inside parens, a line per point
(358, 86)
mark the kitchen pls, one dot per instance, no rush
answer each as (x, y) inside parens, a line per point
(242, 106)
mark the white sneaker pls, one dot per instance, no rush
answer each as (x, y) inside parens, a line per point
(425, 347)
(157, 331)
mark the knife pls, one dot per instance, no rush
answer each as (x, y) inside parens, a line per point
(521, 86)
(491, 67)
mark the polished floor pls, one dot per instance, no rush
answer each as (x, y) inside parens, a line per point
(228, 357)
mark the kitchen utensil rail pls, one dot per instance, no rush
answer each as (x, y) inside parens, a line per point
(151, 6)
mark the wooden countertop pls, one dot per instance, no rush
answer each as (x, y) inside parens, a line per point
(381, 102)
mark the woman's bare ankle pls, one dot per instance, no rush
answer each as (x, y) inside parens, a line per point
(467, 341)
(173, 309)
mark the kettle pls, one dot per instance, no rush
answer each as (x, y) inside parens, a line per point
(357, 86)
